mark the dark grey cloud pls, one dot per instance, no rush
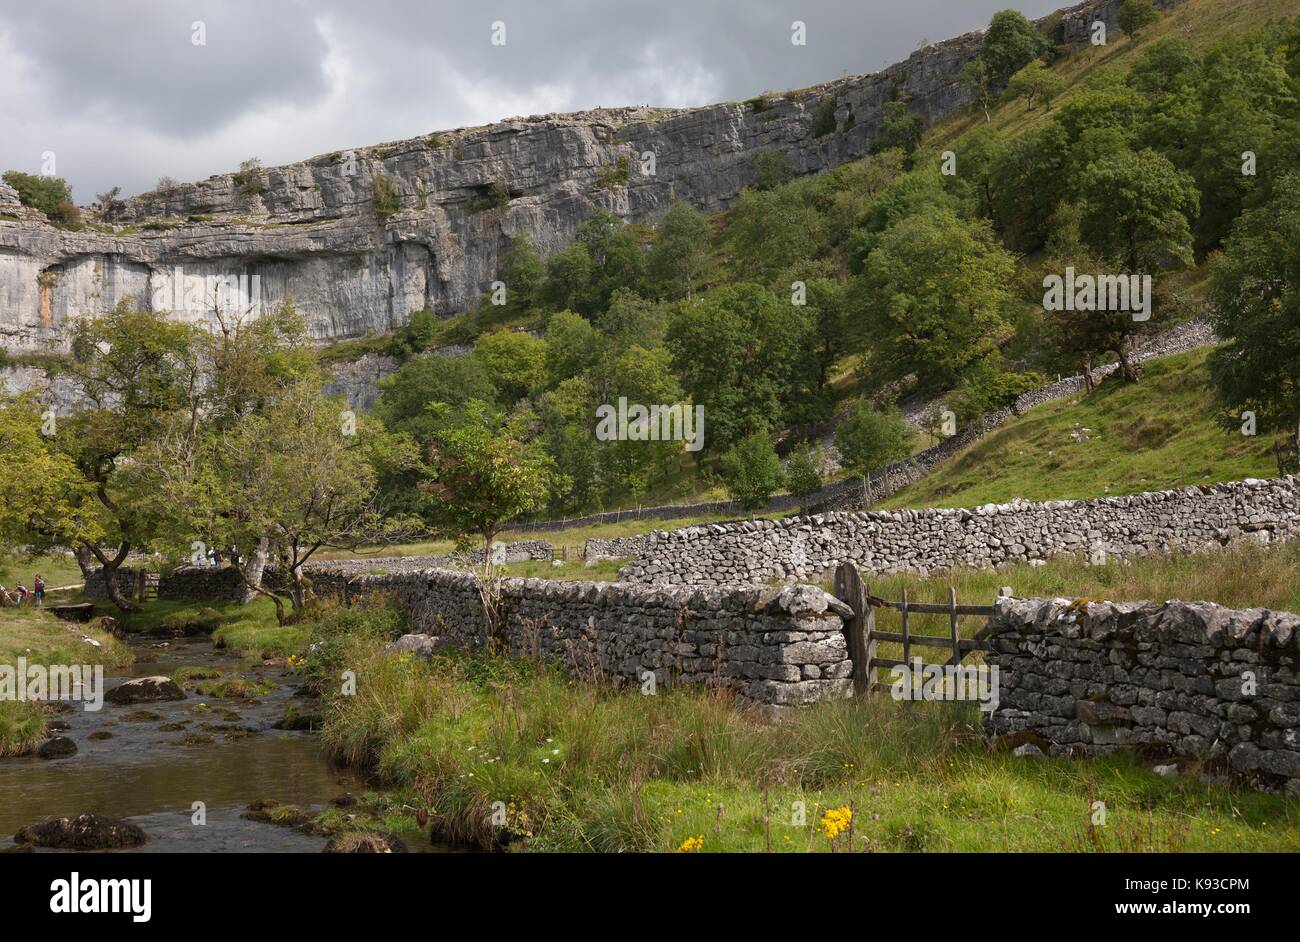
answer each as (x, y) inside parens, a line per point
(121, 94)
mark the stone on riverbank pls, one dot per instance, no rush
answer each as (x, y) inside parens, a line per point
(84, 832)
(146, 690)
(57, 747)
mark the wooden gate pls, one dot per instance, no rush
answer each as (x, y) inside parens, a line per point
(863, 635)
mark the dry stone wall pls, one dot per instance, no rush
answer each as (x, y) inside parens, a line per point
(1184, 520)
(776, 647)
(1190, 679)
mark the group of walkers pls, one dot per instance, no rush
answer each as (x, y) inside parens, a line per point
(21, 595)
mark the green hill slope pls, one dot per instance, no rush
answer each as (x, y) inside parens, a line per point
(1122, 439)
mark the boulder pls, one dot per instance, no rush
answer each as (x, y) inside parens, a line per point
(146, 690)
(84, 832)
(57, 747)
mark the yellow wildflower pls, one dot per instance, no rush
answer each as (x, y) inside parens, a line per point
(691, 844)
(835, 821)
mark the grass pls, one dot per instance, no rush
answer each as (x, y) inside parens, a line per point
(58, 569)
(1158, 433)
(579, 767)
(40, 638)
(261, 638)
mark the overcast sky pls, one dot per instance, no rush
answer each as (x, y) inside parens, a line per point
(122, 93)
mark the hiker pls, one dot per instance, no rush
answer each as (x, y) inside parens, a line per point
(38, 589)
(20, 591)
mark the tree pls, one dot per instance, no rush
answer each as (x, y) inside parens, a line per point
(899, 129)
(752, 471)
(1255, 290)
(989, 386)
(568, 273)
(404, 396)
(523, 273)
(1136, 15)
(803, 470)
(1035, 81)
(49, 195)
(298, 476)
(41, 488)
(1136, 210)
(772, 168)
(735, 352)
(974, 77)
(680, 252)
(934, 298)
(1169, 64)
(868, 439)
(138, 370)
(483, 474)
(108, 203)
(515, 361)
(1010, 43)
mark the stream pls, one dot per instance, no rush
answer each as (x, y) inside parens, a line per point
(144, 774)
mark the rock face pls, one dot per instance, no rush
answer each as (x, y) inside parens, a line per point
(84, 832)
(146, 690)
(1181, 678)
(310, 229)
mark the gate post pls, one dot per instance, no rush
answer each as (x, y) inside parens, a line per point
(858, 629)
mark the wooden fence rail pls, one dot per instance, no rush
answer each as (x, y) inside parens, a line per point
(862, 635)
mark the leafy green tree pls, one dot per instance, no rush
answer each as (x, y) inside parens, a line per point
(1255, 287)
(1136, 15)
(298, 478)
(803, 470)
(1136, 210)
(934, 298)
(137, 370)
(618, 261)
(899, 129)
(1168, 65)
(920, 191)
(989, 386)
(515, 361)
(975, 78)
(680, 252)
(1010, 43)
(771, 231)
(734, 352)
(631, 320)
(568, 274)
(523, 273)
(1111, 104)
(1036, 81)
(50, 195)
(868, 439)
(1027, 177)
(404, 396)
(41, 489)
(629, 468)
(484, 474)
(573, 347)
(772, 168)
(752, 471)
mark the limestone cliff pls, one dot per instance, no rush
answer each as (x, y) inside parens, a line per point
(310, 229)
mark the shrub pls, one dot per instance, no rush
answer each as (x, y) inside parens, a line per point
(49, 195)
(386, 198)
(248, 178)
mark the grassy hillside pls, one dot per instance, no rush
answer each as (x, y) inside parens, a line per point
(1122, 439)
(1201, 22)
